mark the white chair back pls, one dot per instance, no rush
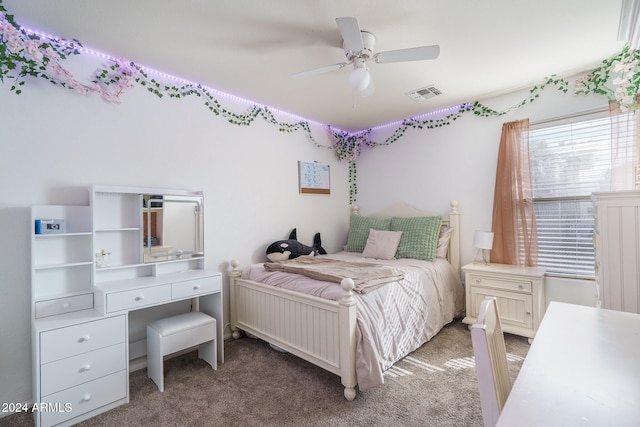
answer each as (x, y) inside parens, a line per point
(491, 361)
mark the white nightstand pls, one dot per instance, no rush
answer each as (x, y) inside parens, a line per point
(519, 290)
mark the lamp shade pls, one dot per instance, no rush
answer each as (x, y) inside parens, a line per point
(483, 239)
(359, 79)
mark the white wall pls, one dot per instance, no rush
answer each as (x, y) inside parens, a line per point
(54, 143)
(429, 167)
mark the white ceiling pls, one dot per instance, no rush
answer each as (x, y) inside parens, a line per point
(250, 48)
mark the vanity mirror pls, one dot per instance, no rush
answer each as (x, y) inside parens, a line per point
(172, 227)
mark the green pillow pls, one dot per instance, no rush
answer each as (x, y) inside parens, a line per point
(419, 236)
(359, 231)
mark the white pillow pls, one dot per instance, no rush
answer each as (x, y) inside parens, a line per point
(382, 244)
(443, 242)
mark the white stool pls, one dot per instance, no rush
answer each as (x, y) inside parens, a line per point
(172, 334)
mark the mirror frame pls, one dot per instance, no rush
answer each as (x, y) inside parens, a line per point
(172, 255)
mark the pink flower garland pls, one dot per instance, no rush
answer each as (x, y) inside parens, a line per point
(43, 58)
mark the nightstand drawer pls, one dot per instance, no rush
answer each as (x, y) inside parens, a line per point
(66, 373)
(60, 343)
(85, 397)
(500, 283)
(136, 298)
(195, 287)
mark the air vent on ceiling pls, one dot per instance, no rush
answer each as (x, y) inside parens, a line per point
(424, 93)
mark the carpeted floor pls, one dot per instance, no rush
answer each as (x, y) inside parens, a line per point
(257, 386)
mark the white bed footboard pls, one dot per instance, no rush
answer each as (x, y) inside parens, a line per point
(318, 330)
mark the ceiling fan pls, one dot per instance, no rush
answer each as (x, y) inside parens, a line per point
(358, 48)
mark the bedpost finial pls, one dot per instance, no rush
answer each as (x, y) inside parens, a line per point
(355, 210)
(348, 285)
(235, 271)
(454, 206)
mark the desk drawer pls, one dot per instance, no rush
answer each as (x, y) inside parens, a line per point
(85, 397)
(63, 305)
(501, 283)
(60, 343)
(192, 288)
(66, 373)
(137, 298)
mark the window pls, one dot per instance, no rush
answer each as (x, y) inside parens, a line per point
(570, 159)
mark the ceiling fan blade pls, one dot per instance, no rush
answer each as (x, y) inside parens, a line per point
(411, 54)
(319, 70)
(350, 31)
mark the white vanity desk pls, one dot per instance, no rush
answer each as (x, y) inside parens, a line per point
(203, 287)
(85, 314)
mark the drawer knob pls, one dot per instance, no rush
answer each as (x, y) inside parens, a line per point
(66, 305)
(139, 298)
(85, 338)
(86, 367)
(528, 313)
(520, 287)
(86, 397)
(196, 287)
(478, 281)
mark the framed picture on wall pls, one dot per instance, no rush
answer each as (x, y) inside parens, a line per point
(314, 178)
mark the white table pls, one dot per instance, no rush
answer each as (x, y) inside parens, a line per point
(583, 369)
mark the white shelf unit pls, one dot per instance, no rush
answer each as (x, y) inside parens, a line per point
(61, 264)
(71, 328)
(117, 228)
(78, 356)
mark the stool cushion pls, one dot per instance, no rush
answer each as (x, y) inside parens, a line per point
(181, 322)
(172, 334)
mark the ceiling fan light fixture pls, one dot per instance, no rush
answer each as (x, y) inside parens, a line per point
(359, 79)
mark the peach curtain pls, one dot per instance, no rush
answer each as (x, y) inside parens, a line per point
(515, 238)
(625, 139)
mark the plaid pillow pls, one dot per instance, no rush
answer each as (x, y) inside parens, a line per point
(359, 231)
(419, 236)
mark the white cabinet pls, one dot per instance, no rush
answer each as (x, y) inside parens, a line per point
(79, 369)
(519, 291)
(81, 302)
(617, 247)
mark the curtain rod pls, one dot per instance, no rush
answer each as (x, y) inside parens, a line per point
(570, 116)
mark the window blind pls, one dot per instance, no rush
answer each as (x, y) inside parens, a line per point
(570, 159)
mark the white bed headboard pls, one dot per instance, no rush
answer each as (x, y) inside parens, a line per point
(452, 219)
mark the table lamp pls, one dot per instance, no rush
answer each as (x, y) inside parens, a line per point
(483, 242)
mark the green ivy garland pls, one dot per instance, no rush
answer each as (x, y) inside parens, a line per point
(622, 71)
(24, 55)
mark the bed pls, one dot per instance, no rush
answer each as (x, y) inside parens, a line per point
(351, 325)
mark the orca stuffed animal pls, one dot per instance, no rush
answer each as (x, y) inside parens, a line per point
(292, 248)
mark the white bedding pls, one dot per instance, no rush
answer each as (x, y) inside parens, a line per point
(392, 320)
